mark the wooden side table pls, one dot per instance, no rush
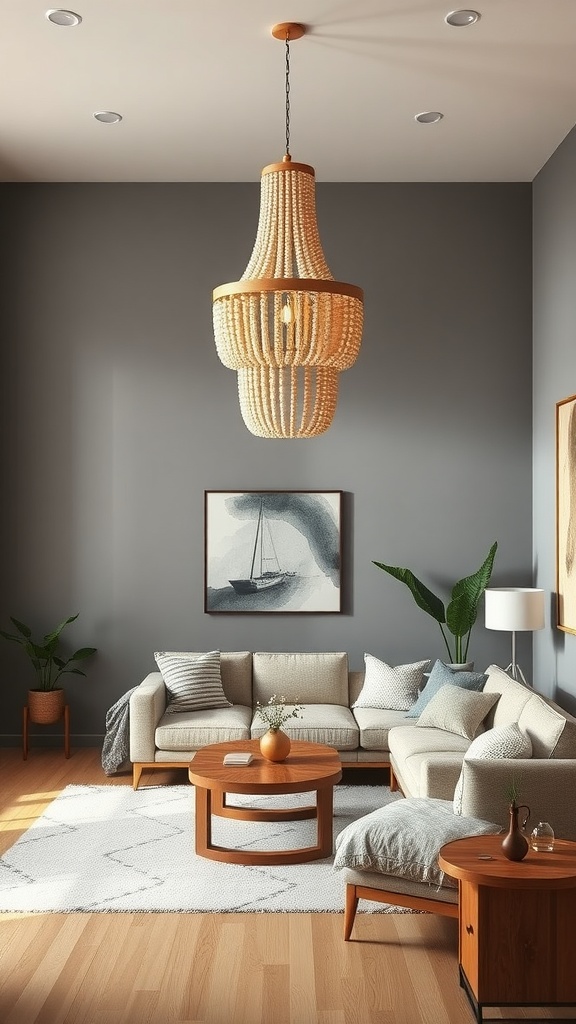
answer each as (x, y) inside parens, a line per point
(25, 723)
(516, 923)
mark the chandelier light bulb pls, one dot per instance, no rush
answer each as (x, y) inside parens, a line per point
(287, 312)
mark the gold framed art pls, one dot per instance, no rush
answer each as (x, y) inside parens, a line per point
(566, 514)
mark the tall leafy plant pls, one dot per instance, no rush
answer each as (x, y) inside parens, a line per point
(460, 613)
(44, 654)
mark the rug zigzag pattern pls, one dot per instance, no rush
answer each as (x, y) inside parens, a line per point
(108, 848)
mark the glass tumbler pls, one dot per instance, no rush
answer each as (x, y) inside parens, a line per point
(542, 838)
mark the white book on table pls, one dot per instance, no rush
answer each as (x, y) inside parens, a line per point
(238, 758)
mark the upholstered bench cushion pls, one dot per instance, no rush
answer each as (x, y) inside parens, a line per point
(402, 886)
(331, 724)
(191, 730)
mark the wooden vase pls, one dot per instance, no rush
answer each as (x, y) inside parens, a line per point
(275, 745)
(45, 706)
(515, 844)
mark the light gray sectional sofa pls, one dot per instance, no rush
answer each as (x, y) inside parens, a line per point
(322, 683)
(424, 762)
(428, 762)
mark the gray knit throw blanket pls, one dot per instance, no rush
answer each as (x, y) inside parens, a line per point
(116, 746)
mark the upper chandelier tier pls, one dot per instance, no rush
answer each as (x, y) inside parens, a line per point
(287, 327)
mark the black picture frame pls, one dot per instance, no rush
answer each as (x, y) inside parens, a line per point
(272, 552)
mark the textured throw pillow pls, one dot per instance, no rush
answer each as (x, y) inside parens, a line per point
(404, 839)
(193, 681)
(501, 741)
(387, 687)
(454, 709)
(440, 675)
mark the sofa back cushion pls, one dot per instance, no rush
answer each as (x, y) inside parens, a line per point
(513, 697)
(236, 674)
(551, 734)
(552, 730)
(301, 678)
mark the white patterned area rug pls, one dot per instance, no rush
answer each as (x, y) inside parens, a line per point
(108, 848)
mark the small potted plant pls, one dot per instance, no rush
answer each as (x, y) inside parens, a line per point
(460, 613)
(275, 744)
(46, 700)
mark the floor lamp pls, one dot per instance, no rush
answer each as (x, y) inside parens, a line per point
(514, 609)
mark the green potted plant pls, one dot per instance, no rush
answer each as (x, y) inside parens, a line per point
(460, 613)
(46, 700)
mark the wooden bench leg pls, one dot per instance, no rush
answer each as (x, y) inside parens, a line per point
(350, 910)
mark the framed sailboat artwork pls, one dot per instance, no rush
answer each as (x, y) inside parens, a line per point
(272, 551)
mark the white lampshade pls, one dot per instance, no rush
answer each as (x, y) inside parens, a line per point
(514, 608)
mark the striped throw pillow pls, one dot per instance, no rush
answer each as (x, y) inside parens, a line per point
(193, 681)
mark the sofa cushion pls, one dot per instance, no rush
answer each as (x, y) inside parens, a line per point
(404, 839)
(191, 730)
(551, 729)
(513, 696)
(387, 686)
(440, 675)
(301, 678)
(236, 673)
(543, 725)
(429, 760)
(375, 724)
(193, 681)
(456, 710)
(330, 724)
(501, 741)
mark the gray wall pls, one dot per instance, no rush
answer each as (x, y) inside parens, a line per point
(554, 196)
(118, 415)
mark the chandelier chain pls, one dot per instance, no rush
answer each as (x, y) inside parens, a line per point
(287, 93)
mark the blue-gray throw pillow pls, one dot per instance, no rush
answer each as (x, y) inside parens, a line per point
(441, 675)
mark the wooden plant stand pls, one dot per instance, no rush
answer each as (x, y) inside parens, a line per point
(25, 724)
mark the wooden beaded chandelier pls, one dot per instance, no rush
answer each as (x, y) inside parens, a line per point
(287, 327)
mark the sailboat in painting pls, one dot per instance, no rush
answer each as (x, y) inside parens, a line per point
(265, 570)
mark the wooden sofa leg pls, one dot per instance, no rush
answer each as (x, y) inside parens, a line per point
(350, 910)
(136, 774)
(393, 781)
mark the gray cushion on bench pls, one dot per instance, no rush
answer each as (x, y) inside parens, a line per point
(404, 839)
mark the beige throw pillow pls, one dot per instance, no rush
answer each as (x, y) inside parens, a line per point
(456, 710)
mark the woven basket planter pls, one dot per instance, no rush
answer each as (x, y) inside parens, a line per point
(45, 706)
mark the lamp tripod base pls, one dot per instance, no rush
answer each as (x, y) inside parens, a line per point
(516, 672)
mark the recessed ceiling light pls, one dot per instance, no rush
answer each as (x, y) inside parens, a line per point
(66, 19)
(107, 116)
(460, 19)
(429, 117)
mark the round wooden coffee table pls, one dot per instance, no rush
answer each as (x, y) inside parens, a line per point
(309, 767)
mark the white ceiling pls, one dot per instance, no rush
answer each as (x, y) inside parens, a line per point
(201, 90)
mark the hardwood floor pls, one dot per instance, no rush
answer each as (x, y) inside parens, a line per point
(210, 968)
